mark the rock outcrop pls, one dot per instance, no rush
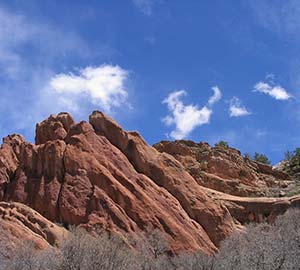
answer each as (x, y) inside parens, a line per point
(166, 172)
(225, 169)
(96, 174)
(19, 223)
(250, 209)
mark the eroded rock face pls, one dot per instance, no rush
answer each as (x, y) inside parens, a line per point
(250, 209)
(20, 223)
(54, 128)
(168, 173)
(225, 169)
(96, 174)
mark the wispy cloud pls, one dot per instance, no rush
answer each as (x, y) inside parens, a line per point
(236, 108)
(17, 32)
(216, 96)
(146, 6)
(260, 134)
(275, 91)
(282, 17)
(13, 32)
(104, 86)
(187, 117)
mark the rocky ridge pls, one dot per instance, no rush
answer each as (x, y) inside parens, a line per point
(96, 174)
(225, 169)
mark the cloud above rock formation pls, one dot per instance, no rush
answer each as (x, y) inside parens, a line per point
(236, 108)
(104, 86)
(187, 117)
(276, 91)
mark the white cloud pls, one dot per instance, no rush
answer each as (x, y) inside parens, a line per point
(29, 52)
(216, 96)
(146, 6)
(236, 108)
(104, 86)
(277, 92)
(187, 117)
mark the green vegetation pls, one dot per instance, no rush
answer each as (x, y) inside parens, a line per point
(261, 158)
(258, 157)
(288, 155)
(291, 162)
(247, 156)
(223, 144)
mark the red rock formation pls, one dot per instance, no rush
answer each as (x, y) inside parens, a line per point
(260, 209)
(166, 172)
(97, 174)
(20, 223)
(53, 128)
(225, 169)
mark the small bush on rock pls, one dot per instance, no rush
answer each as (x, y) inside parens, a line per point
(223, 144)
(261, 158)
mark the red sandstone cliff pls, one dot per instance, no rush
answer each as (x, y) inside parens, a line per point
(96, 174)
(225, 169)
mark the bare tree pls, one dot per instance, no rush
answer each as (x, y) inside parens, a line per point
(260, 247)
(25, 258)
(83, 251)
(4, 249)
(194, 261)
(264, 246)
(155, 251)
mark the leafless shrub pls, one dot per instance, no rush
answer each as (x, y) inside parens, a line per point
(4, 249)
(264, 246)
(260, 247)
(154, 252)
(83, 251)
(194, 261)
(28, 258)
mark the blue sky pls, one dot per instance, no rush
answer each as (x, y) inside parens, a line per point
(200, 70)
